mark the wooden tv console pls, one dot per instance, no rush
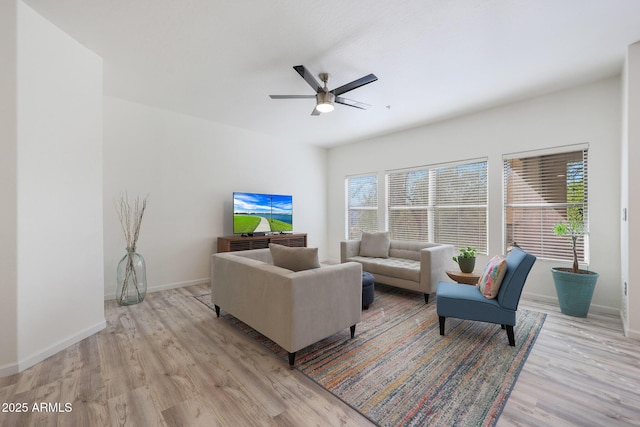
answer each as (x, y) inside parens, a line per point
(239, 243)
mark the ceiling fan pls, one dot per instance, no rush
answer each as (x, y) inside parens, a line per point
(325, 98)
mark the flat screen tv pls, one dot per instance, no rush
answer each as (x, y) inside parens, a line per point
(255, 213)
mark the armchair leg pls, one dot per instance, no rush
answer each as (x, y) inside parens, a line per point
(510, 335)
(353, 330)
(217, 310)
(292, 359)
(441, 319)
(426, 298)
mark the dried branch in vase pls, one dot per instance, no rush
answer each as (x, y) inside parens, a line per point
(130, 215)
(131, 274)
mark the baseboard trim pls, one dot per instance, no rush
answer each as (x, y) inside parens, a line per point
(602, 309)
(8, 369)
(59, 346)
(629, 333)
(164, 287)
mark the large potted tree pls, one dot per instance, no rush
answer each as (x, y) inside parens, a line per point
(574, 286)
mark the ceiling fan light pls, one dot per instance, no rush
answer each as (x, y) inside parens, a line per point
(325, 107)
(325, 102)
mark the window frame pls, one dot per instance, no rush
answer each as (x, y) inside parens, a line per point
(350, 233)
(434, 207)
(547, 212)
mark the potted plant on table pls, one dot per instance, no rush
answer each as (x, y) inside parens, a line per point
(467, 259)
(574, 286)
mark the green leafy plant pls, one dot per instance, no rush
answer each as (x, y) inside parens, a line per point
(574, 228)
(467, 252)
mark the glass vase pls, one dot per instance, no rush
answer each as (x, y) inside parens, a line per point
(132, 279)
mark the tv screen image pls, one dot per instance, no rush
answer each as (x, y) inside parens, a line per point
(262, 213)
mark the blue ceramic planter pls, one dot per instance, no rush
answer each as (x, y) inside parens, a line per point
(575, 290)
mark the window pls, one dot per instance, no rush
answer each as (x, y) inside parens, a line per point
(443, 204)
(409, 216)
(541, 191)
(362, 205)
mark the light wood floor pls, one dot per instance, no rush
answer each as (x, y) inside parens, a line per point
(168, 361)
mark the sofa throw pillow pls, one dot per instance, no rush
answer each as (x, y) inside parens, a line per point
(375, 244)
(295, 259)
(491, 279)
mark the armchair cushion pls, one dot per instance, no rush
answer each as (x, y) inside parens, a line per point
(294, 259)
(466, 302)
(375, 244)
(491, 279)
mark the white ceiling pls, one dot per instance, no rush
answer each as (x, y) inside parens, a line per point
(221, 59)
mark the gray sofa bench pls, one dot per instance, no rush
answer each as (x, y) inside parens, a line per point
(417, 266)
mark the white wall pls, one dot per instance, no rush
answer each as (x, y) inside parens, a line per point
(9, 198)
(59, 175)
(190, 168)
(588, 114)
(630, 230)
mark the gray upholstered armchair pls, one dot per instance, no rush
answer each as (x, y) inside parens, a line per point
(467, 302)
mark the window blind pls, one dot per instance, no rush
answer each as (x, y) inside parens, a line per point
(362, 205)
(461, 206)
(541, 191)
(443, 204)
(409, 216)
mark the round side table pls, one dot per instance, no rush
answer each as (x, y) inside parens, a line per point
(464, 278)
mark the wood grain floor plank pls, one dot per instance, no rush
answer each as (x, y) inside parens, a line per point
(136, 407)
(193, 413)
(580, 372)
(170, 361)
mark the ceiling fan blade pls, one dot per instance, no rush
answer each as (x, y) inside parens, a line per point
(352, 103)
(291, 96)
(315, 112)
(354, 84)
(308, 77)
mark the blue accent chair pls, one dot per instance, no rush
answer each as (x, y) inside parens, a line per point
(467, 302)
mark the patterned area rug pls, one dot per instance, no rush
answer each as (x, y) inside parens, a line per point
(398, 370)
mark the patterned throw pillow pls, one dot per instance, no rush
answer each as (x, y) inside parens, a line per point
(489, 283)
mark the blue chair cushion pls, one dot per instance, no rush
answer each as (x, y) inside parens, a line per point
(467, 302)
